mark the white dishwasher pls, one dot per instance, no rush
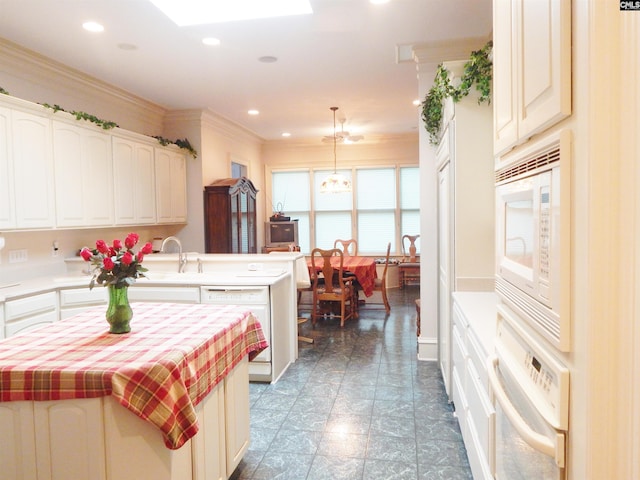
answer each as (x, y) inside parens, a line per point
(256, 299)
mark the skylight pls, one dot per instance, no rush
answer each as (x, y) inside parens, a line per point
(198, 12)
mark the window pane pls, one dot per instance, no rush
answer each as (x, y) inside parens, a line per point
(376, 189)
(409, 188)
(304, 239)
(331, 201)
(330, 226)
(290, 190)
(375, 230)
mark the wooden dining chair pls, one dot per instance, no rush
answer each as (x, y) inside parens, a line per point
(330, 286)
(348, 247)
(380, 284)
(409, 267)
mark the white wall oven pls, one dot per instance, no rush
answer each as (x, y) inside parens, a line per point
(532, 236)
(530, 391)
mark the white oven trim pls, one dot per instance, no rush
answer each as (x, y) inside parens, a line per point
(554, 448)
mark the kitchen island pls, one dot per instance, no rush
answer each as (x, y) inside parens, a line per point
(167, 401)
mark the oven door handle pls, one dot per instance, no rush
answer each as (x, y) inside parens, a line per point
(536, 440)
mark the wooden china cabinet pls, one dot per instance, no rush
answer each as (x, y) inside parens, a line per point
(230, 216)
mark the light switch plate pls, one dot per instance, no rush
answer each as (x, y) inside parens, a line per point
(17, 256)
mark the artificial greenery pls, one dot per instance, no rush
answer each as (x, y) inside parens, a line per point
(182, 143)
(477, 71)
(105, 124)
(108, 125)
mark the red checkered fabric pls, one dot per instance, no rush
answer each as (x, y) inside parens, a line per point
(172, 358)
(364, 268)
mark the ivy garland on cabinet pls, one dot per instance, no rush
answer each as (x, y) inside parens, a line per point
(108, 125)
(477, 71)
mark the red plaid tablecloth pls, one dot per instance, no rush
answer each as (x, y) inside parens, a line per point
(172, 358)
(364, 268)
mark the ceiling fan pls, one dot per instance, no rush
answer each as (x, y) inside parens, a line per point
(342, 136)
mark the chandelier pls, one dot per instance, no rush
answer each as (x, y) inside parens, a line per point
(335, 183)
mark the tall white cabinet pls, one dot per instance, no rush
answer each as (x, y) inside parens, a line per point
(465, 209)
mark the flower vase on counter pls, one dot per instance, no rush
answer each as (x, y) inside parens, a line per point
(119, 312)
(117, 267)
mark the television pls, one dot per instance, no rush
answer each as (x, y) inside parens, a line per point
(281, 234)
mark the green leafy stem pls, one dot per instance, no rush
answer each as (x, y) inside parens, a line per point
(182, 143)
(477, 71)
(108, 125)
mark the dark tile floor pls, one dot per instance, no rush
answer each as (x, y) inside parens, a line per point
(356, 405)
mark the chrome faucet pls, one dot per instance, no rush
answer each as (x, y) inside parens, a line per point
(182, 258)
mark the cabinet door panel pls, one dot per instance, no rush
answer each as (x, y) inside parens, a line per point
(545, 50)
(134, 182)
(33, 170)
(505, 121)
(7, 207)
(84, 191)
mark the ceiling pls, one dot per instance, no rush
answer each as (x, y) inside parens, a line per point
(344, 54)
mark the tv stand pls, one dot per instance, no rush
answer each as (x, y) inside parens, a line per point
(267, 249)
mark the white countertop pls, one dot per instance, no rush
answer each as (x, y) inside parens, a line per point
(77, 280)
(480, 311)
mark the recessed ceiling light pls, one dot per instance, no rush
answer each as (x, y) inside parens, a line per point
(197, 12)
(253, 112)
(93, 27)
(127, 46)
(268, 59)
(416, 102)
(211, 41)
(286, 134)
(378, 2)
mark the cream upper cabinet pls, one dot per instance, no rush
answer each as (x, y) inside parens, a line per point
(83, 167)
(7, 206)
(171, 186)
(134, 182)
(532, 68)
(32, 170)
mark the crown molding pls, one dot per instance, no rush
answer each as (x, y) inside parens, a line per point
(49, 74)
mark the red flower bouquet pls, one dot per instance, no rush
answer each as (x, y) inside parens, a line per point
(116, 265)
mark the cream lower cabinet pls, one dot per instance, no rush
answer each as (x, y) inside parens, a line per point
(29, 312)
(98, 439)
(470, 387)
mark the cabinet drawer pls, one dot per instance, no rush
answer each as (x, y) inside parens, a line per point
(458, 317)
(83, 296)
(481, 412)
(165, 294)
(478, 357)
(459, 352)
(30, 323)
(460, 399)
(22, 307)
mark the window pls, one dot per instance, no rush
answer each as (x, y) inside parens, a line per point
(384, 205)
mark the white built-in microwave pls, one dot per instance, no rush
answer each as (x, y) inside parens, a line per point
(533, 223)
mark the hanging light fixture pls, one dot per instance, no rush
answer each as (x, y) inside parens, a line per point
(335, 183)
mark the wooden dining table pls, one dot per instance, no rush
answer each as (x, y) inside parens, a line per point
(364, 269)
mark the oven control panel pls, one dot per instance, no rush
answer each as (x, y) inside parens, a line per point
(534, 367)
